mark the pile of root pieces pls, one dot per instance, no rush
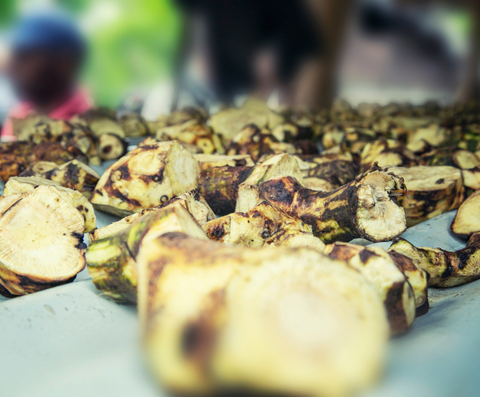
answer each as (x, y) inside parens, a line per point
(236, 229)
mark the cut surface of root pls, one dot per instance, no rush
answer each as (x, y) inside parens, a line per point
(41, 241)
(313, 322)
(465, 160)
(415, 275)
(377, 214)
(17, 185)
(467, 219)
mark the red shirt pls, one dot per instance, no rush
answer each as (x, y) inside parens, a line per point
(77, 103)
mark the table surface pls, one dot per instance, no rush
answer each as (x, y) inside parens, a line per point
(70, 341)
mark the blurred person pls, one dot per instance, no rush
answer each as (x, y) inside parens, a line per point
(47, 52)
(7, 98)
(238, 47)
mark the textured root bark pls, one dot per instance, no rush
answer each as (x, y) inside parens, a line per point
(445, 268)
(111, 260)
(364, 208)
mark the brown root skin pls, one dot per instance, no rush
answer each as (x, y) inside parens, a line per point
(335, 169)
(58, 153)
(111, 260)
(146, 177)
(192, 201)
(380, 270)
(417, 278)
(219, 187)
(275, 166)
(73, 175)
(14, 158)
(444, 268)
(347, 212)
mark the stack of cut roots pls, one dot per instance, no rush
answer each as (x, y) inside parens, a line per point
(237, 229)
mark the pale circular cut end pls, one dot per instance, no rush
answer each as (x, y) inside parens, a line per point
(315, 323)
(378, 215)
(41, 236)
(465, 159)
(467, 220)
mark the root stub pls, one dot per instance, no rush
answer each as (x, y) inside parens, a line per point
(215, 316)
(364, 208)
(444, 268)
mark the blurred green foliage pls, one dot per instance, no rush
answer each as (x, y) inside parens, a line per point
(133, 51)
(132, 42)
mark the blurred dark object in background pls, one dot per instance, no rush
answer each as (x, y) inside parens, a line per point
(237, 33)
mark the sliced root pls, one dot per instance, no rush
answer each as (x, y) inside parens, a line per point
(444, 268)
(213, 316)
(364, 208)
(192, 201)
(416, 277)
(467, 220)
(73, 175)
(276, 166)
(265, 224)
(17, 185)
(206, 161)
(41, 241)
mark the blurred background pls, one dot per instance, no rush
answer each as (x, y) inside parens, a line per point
(368, 51)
